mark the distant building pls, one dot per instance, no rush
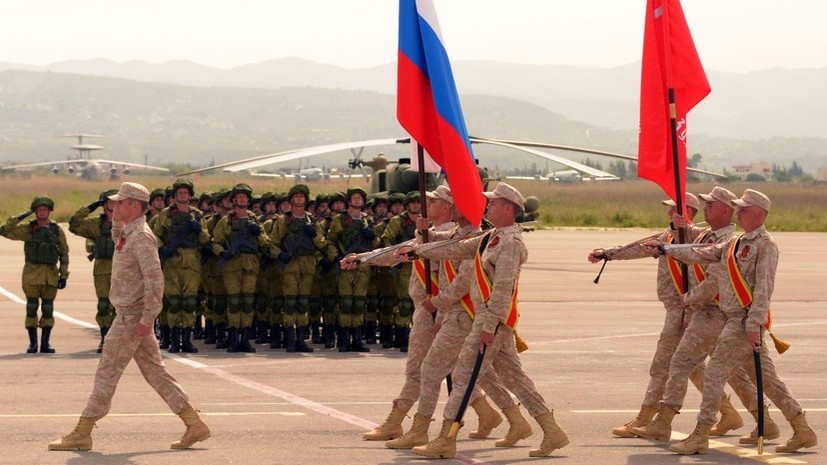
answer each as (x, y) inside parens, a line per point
(821, 175)
(762, 169)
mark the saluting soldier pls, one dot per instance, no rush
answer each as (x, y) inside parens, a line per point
(744, 282)
(181, 236)
(351, 232)
(499, 256)
(240, 242)
(44, 247)
(401, 228)
(297, 240)
(98, 230)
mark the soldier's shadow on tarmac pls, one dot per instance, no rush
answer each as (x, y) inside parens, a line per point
(485, 454)
(30, 357)
(97, 458)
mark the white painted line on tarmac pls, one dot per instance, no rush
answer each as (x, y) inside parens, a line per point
(11, 296)
(687, 410)
(74, 321)
(749, 453)
(169, 414)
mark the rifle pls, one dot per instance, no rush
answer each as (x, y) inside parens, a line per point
(244, 238)
(620, 249)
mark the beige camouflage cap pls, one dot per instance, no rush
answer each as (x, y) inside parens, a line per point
(441, 192)
(507, 192)
(719, 194)
(131, 190)
(691, 201)
(753, 198)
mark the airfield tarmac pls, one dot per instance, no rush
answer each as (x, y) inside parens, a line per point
(590, 349)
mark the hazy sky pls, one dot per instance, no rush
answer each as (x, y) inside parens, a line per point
(731, 35)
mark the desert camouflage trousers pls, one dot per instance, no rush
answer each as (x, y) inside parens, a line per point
(441, 360)
(670, 337)
(732, 352)
(697, 343)
(419, 342)
(501, 356)
(121, 347)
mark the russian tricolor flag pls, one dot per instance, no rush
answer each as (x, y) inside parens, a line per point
(428, 104)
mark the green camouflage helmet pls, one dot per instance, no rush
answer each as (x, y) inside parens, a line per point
(396, 197)
(322, 198)
(106, 194)
(159, 192)
(241, 187)
(337, 196)
(205, 197)
(356, 190)
(43, 201)
(220, 194)
(381, 197)
(268, 197)
(299, 189)
(531, 204)
(183, 182)
(412, 196)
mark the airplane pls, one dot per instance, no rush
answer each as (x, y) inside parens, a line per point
(563, 176)
(392, 176)
(84, 165)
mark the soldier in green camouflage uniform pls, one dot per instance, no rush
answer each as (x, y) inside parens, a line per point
(324, 298)
(213, 278)
(298, 240)
(352, 232)
(241, 241)
(401, 228)
(384, 276)
(157, 202)
(181, 236)
(98, 230)
(379, 214)
(262, 302)
(44, 246)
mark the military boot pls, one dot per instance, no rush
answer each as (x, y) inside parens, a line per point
(32, 341)
(643, 417)
(290, 339)
(163, 343)
(263, 332)
(79, 439)
(660, 428)
(244, 343)
(553, 436)
(198, 330)
(442, 447)
(771, 430)
(803, 436)
(221, 341)
(387, 336)
(276, 333)
(518, 427)
(343, 341)
(390, 429)
(209, 332)
(489, 418)
(196, 431)
(370, 333)
(186, 342)
(45, 347)
(416, 436)
(301, 335)
(174, 340)
(730, 419)
(232, 340)
(403, 335)
(104, 330)
(356, 344)
(329, 336)
(695, 443)
(315, 333)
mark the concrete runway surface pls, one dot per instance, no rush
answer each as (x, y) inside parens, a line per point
(590, 349)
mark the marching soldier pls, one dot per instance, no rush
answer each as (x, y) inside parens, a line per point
(297, 242)
(744, 282)
(401, 228)
(704, 322)
(98, 229)
(181, 236)
(499, 256)
(351, 232)
(44, 246)
(240, 242)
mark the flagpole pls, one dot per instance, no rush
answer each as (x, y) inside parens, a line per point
(423, 211)
(673, 123)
